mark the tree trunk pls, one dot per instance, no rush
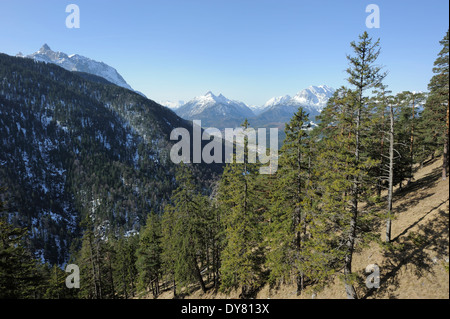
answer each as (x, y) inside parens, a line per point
(349, 289)
(174, 287)
(411, 150)
(98, 270)
(445, 160)
(198, 274)
(380, 173)
(113, 291)
(94, 273)
(445, 156)
(157, 286)
(391, 174)
(208, 277)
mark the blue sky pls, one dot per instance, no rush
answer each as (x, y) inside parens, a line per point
(247, 50)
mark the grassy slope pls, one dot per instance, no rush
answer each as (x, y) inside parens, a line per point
(414, 268)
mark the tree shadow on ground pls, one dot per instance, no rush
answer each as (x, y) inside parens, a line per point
(414, 188)
(412, 195)
(410, 252)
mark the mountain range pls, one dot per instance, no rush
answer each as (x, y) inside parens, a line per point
(216, 111)
(279, 110)
(219, 111)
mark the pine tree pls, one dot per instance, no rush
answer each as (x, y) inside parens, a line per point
(405, 118)
(336, 168)
(148, 253)
(241, 257)
(436, 111)
(56, 288)
(289, 212)
(404, 125)
(169, 249)
(345, 162)
(410, 113)
(18, 273)
(363, 75)
(390, 171)
(89, 264)
(216, 237)
(125, 271)
(184, 231)
(385, 104)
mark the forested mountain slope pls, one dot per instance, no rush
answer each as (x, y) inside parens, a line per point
(72, 145)
(414, 267)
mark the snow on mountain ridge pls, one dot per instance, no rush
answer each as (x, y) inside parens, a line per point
(276, 100)
(216, 109)
(171, 104)
(75, 62)
(314, 98)
(200, 103)
(212, 107)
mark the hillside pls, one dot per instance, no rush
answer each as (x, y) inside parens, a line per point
(74, 145)
(416, 266)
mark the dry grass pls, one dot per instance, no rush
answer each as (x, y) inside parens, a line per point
(415, 266)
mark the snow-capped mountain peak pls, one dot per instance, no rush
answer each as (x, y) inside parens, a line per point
(313, 97)
(210, 98)
(75, 62)
(44, 48)
(277, 100)
(210, 108)
(172, 104)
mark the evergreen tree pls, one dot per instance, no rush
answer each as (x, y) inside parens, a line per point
(148, 261)
(184, 231)
(125, 271)
(390, 171)
(242, 257)
(89, 264)
(344, 163)
(436, 111)
(404, 135)
(363, 75)
(56, 287)
(18, 273)
(289, 213)
(168, 254)
(408, 121)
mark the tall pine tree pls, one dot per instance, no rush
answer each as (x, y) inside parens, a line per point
(184, 231)
(289, 211)
(148, 253)
(18, 272)
(242, 256)
(436, 111)
(363, 75)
